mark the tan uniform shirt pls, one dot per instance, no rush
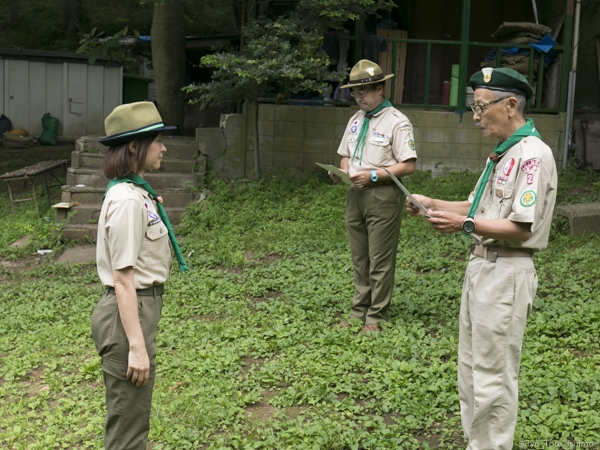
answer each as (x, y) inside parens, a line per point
(131, 234)
(390, 140)
(521, 188)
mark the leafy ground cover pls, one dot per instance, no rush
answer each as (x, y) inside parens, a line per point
(247, 356)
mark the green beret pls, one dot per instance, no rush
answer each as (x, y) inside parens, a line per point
(501, 79)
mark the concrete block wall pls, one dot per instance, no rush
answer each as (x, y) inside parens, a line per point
(295, 137)
(447, 142)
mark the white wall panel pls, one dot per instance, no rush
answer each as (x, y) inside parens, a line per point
(54, 93)
(37, 97)
(78, 94)
(18, 93)
(95, 100)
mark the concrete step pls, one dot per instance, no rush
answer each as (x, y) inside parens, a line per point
(80, 233)
(176, 197)
(178, 147)
(158, 180)
(89, 214)
(83, 160)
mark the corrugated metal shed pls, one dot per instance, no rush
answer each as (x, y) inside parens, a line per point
(63, 84)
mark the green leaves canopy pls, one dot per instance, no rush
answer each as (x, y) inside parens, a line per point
(287, 50)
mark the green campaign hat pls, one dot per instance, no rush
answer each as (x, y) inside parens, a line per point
(501, 79)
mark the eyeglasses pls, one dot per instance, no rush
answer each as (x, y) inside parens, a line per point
(478, 109)
(360, 94)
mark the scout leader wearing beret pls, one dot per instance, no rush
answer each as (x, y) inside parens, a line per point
(508, 215)
(133, 255)
(377, 137)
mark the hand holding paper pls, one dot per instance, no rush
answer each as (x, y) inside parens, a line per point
(336, 171)
(413, 200)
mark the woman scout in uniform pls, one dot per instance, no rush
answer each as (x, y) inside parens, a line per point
(133, 255)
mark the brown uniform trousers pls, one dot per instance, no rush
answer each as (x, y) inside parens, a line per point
(127, 406)
(373, 218)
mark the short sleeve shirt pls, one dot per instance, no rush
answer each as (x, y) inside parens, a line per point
(131, 234)
(390, 140)
(521, 188)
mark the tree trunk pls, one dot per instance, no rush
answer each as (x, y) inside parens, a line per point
(14, 13)
(256, 141)
(71, 10)
(236, 15)
(168, 59)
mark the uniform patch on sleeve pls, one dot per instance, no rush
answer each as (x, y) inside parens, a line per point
(404, 126)
(411, 144)
(531, 165)
(528, 198)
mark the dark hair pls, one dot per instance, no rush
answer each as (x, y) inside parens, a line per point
(120, 162)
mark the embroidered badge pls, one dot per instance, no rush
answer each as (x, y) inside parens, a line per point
(529, 178)
(499, 192)
(531, 165)
(152, 216)
(508, 166)
(528, 198)
(502, 179)
(404, 126)
(353, 129)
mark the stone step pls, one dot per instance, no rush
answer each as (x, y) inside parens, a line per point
(89, 214)
(176, 197)
(178, 147)
(80, 233)
(158, 180)
(83, 160)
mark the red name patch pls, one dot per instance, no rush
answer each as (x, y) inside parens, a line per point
(508, 166)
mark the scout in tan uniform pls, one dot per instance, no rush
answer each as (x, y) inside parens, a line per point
(377, 137)
(509, 216)
(133, 256)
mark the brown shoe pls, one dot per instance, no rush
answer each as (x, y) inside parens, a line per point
(370, 328)
(344, 324)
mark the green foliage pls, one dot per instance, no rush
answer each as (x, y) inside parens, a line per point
(283, 51)
(41, 21)
(95, 46)
(247, 355)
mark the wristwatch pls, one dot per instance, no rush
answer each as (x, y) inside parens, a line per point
(374, 176)
(468, 225)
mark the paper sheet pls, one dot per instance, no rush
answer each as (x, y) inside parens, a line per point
(336, 171)
(413, 200)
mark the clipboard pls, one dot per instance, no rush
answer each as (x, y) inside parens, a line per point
(336, 171)
(413, 200)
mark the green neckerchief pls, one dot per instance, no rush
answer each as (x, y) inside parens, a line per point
(139, 181)
(526, 130)
(364, 130)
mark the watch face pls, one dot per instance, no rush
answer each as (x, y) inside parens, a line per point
(468, 226)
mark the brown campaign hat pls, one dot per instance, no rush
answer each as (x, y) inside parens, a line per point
(132, 121)
(365, 72)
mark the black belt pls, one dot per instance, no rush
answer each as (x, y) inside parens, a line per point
(157, 289)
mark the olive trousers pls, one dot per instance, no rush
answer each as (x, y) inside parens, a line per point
(127, 406)
(497, 298)
(373, 219)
